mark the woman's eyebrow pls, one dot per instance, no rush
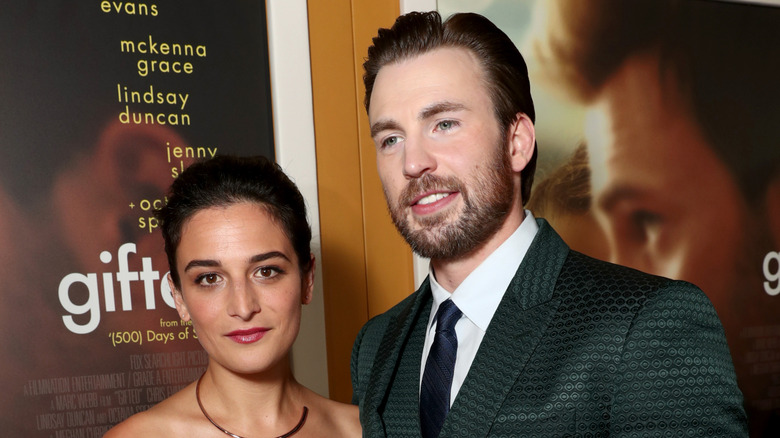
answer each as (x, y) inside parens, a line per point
(202, 263)
(268, 255)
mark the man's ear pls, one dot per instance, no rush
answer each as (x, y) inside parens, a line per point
(178, 300)
(307, 288)
(522, 140)
(108, 197)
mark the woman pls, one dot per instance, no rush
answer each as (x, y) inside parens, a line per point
(237, 242)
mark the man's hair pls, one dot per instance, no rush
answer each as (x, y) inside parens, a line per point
(227, 180)
(724, 58)
(505, 72)
(567, 190)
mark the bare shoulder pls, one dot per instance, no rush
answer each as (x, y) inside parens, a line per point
(171, 417)
(337, 419)
(140, 424)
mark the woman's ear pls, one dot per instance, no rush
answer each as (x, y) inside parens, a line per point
(181, 306)
(307, 287)
(521, 137)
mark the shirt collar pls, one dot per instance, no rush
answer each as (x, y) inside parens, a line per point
(481, 292)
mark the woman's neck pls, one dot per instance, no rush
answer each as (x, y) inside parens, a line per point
(267, 404)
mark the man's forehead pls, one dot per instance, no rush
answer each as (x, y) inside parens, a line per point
(435, 59)
(442, 76)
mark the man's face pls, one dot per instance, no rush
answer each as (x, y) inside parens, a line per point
(668, 204)
(441, 155)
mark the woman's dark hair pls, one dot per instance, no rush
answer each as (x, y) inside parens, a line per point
(227, 180)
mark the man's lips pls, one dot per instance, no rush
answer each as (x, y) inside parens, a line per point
(247, 336)
(431, 202)
(433, 197)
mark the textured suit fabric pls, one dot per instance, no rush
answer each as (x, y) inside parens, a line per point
(577, 347)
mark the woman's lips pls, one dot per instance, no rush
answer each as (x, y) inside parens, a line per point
(247, 336)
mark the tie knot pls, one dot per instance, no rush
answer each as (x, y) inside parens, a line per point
(447, 316)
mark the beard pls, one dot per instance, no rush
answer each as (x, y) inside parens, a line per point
(486, 204)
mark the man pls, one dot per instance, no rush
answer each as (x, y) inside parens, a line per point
(541, 340)
(682, 135)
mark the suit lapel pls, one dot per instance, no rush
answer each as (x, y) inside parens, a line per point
(516, 328)
(395, 372)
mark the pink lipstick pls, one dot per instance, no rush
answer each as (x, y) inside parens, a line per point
(247, 336)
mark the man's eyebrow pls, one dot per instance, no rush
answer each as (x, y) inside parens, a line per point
(614, 195)
(439, 107)
(426, 113)
(383, 125)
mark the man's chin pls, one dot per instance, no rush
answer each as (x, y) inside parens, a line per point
(429, 231)
(433, 243)
(433, 221)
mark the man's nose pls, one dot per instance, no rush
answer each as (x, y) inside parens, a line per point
(417, 158)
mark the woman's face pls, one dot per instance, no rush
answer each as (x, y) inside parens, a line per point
(241, 286)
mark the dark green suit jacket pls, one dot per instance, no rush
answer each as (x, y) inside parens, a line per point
(577, 347)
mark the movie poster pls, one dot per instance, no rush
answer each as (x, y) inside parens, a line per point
(657, 125)
(103, 104)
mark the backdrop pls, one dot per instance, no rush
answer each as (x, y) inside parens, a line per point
(103, 104)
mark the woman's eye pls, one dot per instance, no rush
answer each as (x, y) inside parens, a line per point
(207, 279)
(267, 272)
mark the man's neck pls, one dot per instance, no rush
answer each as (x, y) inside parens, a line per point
(450, 273)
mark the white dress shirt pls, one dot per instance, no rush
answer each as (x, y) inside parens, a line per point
(478, 298)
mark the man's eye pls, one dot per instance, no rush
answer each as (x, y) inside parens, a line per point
(390, 141)
(446, 125)
(646, 219)
(646, 225)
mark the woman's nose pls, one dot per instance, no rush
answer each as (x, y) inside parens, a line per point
(244, 301)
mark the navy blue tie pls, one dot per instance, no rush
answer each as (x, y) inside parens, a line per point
(437, 377)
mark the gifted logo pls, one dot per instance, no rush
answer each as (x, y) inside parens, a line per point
(92, 308)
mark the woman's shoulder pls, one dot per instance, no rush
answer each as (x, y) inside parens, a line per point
(141, 424)
(171, 417)
(341, 419)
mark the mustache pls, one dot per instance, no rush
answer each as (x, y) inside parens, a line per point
(428, 183)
